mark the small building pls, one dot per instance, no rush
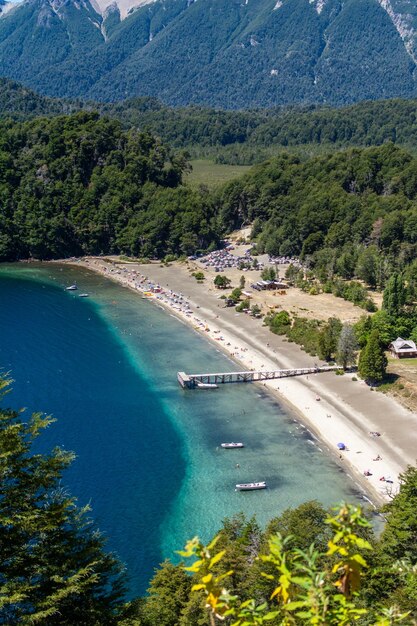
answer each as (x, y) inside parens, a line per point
(402, 349)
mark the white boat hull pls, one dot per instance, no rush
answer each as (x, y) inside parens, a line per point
(251, 486)
(230, 446)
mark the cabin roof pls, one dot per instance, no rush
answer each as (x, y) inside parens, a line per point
(403, 345)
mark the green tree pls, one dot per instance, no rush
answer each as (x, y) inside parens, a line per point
(244, 305)
(393, 578)
(372, 360)
(395, 296)
(367, 266)
(398, 539)
(305, 590)
(385, 325)
(279, 323)
(242, 282)
(347, 347)
(328, 338)
(362, 329)
(221, 282)
(235, 295)
(305, 525)
(168, 595)
(268, 273)
(53, 569)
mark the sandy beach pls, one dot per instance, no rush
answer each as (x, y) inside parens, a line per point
(379, 434)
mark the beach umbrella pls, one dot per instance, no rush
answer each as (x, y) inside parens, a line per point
(341, 446)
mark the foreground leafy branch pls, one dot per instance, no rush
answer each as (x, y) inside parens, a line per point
(310, 587)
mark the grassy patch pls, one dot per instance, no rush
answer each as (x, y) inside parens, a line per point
(390, 383)
(212, 174)
(400, 362)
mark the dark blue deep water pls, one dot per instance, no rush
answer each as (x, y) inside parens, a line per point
(147, 452)
(65, 361)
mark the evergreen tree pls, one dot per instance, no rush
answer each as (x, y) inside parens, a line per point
(268, 273)
(347, 347)
(393, 577)
(394, 296)
(399, 538)
(362, 329)
(168, 596)
(53, 569)
(372, 360)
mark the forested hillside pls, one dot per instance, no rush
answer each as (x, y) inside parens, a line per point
(222, 53)
(242, 132)
(80, 185)
(353, 212)
(20, 103)
(363, 124)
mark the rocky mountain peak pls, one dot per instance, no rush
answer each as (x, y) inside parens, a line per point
(404, 17)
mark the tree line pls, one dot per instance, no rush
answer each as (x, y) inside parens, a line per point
(81, 184)
(236, 136)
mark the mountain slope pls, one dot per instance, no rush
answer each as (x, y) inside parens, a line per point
(227, 53)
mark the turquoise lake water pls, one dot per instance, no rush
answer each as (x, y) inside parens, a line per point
(147, 451)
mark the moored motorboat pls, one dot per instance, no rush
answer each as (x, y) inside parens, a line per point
(232, 444)
(251, 486)
(71, 287)
(83, 295)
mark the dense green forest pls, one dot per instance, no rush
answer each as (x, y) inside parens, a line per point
(363, 124)
(239, 136)
(353, 213)
(79, 184)
(19, 103)
(308, 566)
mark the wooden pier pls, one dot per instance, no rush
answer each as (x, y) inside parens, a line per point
(190, 381)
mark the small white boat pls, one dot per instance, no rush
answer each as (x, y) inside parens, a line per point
(232, 444)
(71, 288)
(207, 386)
(251, 486)
(83, 295)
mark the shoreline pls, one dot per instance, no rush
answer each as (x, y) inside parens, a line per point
(313, 399)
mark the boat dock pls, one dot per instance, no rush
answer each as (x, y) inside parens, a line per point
(191, 381)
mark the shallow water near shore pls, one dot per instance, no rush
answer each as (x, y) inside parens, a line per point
(148, 456)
